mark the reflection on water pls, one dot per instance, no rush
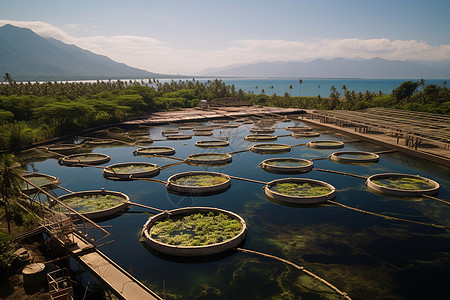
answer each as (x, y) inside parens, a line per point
(365, 256)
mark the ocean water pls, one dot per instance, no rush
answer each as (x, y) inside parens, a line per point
(366, 256)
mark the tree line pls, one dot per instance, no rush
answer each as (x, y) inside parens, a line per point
(31, 112)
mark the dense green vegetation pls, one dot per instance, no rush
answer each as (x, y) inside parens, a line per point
(404, 183)
(196, 229)
(7, 248)
(300, 189)
(90, 203)
(31, 112)
(199, 180)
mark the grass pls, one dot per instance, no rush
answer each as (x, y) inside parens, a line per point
(199, 180)
(90, 203)
(198, 229)
(126, 169)
(404, 183)
(300, 189)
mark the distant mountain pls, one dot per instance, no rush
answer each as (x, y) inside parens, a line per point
(28, 56)
(337, 68)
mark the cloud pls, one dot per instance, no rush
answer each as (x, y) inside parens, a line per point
(157, 56)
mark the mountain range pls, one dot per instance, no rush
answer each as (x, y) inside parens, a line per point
(337, 68)
(28, 56)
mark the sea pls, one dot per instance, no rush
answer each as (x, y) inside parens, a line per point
(313, 87)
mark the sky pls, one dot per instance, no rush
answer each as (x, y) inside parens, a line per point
(188, 36)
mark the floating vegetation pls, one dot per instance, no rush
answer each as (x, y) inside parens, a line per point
(260, 137)
(259, 130)
(94, 204)
(178, 137)
(306, 134)
(354, 157)
(42, 181)
(325, 144)
(402, 184)
(209, 158)
(212, 144)
(286, 165)
(198, 182)
(299, 190)
(128, 171)
(198, 229)
(101, 142)
(194, 231)
(270, 148)
(63, 147)
(86, 158)
(150, 151)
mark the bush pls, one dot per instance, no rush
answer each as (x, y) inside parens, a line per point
(7, 248)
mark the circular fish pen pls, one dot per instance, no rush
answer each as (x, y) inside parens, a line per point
(298, 128)
(63, 148)
(299, 191)
(131, 170)
(325, 144)
(205, 128)
(144, 141)
(209, 159)
(43, 181)
(84, 159)
(100, 142)
(198, 182)
(286, 165)
(170, 131)
(259, 130)
(260, 137)
(406, 185)
(306, 134)
(150, 151)
(354, 157)
(178, 137)
(203, 133)
(94, 204)
(230, 126)
(185, 128)
(212, 144)
(194, 231)
(270, 148)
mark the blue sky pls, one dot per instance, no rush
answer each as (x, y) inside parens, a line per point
(175, 36)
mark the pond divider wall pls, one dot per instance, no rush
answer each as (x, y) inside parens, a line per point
(193, 251)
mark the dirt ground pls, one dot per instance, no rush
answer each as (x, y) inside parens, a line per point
(11, 285)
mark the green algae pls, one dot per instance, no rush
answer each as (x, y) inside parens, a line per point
(300, 189)
(90, 203)
(133, 168)
(199, 180)
(198, 229)
(404, 183)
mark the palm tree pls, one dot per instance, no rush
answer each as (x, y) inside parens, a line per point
(300, 90)
(8, 78)
(10, 179)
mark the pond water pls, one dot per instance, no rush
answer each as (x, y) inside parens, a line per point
(366, 256)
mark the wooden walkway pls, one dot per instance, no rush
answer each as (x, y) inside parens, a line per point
(120, 282)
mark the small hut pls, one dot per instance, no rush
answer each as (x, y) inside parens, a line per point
(204, 104)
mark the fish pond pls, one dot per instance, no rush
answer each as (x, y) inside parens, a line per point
(364, 255)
